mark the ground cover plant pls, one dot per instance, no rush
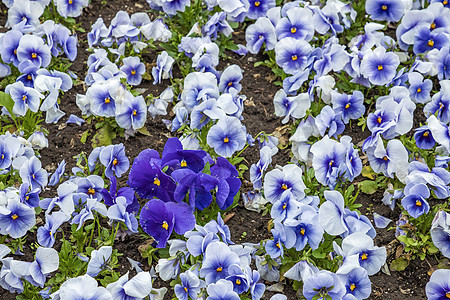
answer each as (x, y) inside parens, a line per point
(224, 149)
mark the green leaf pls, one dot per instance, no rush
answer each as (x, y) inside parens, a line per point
(144, 131)
(318, 253)
(84, 136)
(368, 187)
(103, 137)
(8, 102)
(399, 264)
(368, 172)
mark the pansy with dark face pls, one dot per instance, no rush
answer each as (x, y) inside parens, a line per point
(385, 10)
(218, 258)
(370, 257)
(159, 219)
(259, 8)
(16, 219)
(276, 182)
(32, 48)
(379, 66)
(296, 24)
(415, 201)
(132, 113)
(114, 159)
(438, 288)
(147, 179)
(351, 107)
(25, 11)
(227, 136)
(323, 285)
(9, 43)
(262, 31)
(292, 55)
(70, 8)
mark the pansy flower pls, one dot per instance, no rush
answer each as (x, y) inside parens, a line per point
(379, 66)
(70, 8)
(114, 159)
(385, 10)
(292, 55)
(415, 201)
(32, 48)
(276, 182)
(134, 69)
(218, 258)
(296, 24)
(16, 219)
(227, 136)
(159, 219)
(262, 31)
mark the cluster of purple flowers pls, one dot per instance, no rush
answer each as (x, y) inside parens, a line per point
(176, 175)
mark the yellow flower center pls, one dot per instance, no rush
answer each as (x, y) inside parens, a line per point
(379, 120)
(33, 55)
(29, 77)
(385, 158)
(70, 1)
(165, 225)
(418, 203)
(134, 112)
(14, 216)
(133, 72)
(347, 105)
(107, 100)
(447, 295)
(278, 245)
(24, 97)
(302, 231)
(294, 57)
(419, 90)
(426, 133)
(91, 191)
(433, 25)
(185, 289)
(284, 206)
(15, 52)
(445, 2)
(284, 186)
(293, 30)
(441, 105)
(3, 156)
(115, 161)
(331, 163)
(27, 198)
(238, 281)
(230, 83)
(219, 269)
(157, 181)
(380, 67)
(364, 256)
(34, 176)
(257, 3)
(226, 140)
(352, 286)
(384, 7)
(431, 43)
(183, 164)
(260, 36)
(50, 233)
